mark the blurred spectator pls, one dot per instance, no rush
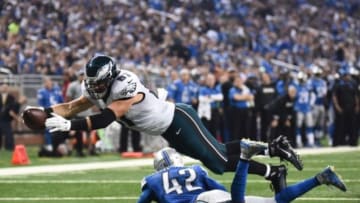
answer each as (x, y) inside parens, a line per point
(346, 103)
(227, 81)
(319, 86)
(240, 98)
(284, 81)
(49, 36)
(49, 95)
(283, 116)
(125, 133)
(305, 100)
(8, 112)
(265, 95)
(183, 90)
(253, 84)
(210, 107)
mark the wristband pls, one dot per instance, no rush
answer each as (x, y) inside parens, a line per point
(48, 112)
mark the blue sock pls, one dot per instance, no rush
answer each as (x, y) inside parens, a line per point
(238, 186)
(294, 191)
(309, 130)
(331, 130)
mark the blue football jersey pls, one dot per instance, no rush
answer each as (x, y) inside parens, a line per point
(319, 86)
(182, 93)
(211, 92)
(178, 184)
(305, 98)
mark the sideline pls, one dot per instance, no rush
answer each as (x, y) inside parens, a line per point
(28, 170)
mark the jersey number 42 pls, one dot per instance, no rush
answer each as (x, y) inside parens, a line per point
(175, 186)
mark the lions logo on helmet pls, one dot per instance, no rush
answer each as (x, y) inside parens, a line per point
(167, 157)
(100, 73)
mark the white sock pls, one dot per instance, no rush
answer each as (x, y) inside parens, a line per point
(268, 170)
(311, 139)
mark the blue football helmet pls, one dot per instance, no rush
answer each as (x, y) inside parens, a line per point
(167, 157)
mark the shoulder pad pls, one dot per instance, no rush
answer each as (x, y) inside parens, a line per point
(143, 183)
(125, 85)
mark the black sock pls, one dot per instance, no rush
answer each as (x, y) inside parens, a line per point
(233, 148)
(257, 168)
(232, 163)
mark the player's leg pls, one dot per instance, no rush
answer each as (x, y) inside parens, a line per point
(188, 135)
(238, 186)
(309, 122)
(327, 176)
(300, 117)
(316, 112)
(279, 147)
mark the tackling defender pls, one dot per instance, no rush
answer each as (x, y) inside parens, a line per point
(122, 97)
(174, 182)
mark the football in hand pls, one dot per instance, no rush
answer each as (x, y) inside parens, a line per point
(34, 118)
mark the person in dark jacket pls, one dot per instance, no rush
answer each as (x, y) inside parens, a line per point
(283, 116)
(265, 95)
(8, 112)
(346, 103)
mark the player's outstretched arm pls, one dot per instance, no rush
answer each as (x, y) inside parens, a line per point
(115, 110)
(71, 108)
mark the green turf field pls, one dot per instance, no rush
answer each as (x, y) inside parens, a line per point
(123, 185)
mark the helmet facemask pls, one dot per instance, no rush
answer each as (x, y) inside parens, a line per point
(97, 88)
(100, 84)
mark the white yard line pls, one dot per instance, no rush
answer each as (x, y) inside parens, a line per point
(28, 170)
(129, 181)
(25, 199)
(64, 198)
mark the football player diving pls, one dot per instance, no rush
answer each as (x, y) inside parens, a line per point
(122, 97)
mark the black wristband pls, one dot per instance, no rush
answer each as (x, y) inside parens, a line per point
(98, 121)
(102, 119)
(48, 111)
(79, 124)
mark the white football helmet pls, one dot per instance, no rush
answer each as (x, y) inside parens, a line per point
(301, 76)
(316, 70)
(167, 157)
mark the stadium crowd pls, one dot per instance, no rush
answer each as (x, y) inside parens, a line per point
(251, 68)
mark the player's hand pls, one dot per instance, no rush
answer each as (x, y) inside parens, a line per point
(57, 123)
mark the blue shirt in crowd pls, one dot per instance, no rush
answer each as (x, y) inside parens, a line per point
(50, 97)
(235, 103)
(181, 92)
(319, 86)
(207, 91)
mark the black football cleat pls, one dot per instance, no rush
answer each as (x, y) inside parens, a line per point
(329, 177)
(278, 178)
(281, 147)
